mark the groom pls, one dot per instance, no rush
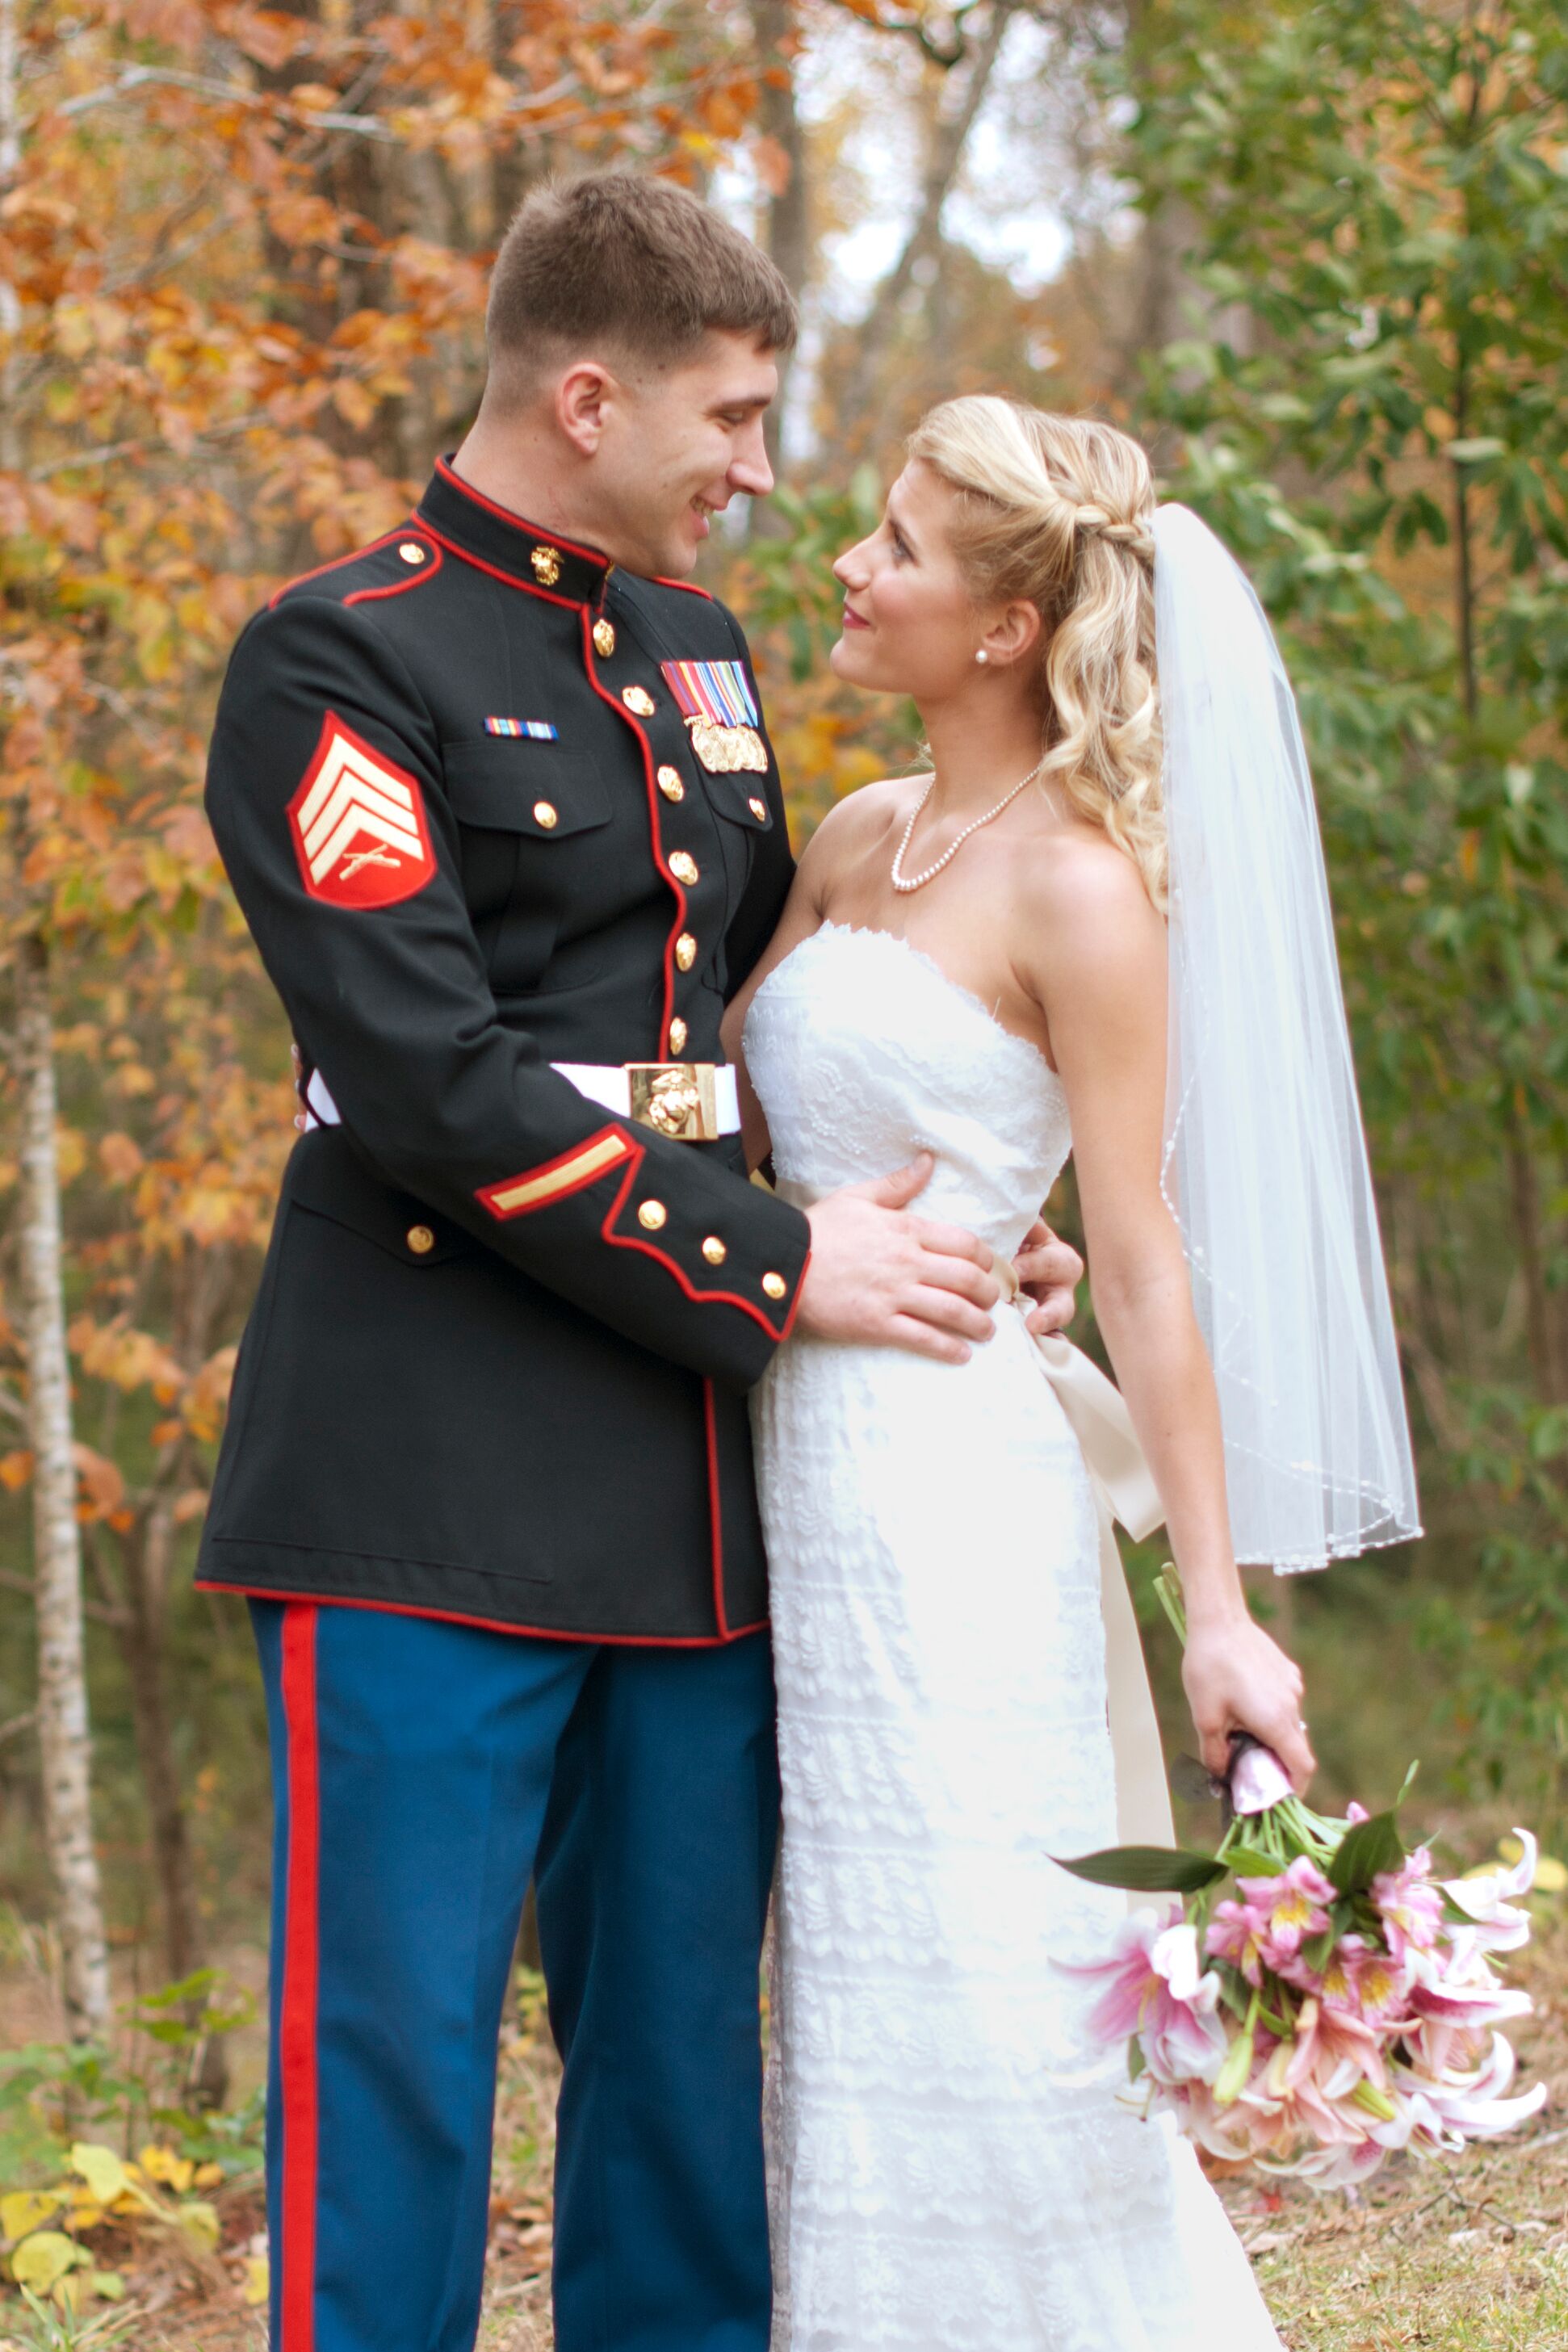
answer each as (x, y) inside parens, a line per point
(497, 801)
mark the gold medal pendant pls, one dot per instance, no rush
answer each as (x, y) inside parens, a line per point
(727, 750)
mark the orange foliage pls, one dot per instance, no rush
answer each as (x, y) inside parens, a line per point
(246, 255)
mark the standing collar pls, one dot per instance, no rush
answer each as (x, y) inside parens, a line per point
(508, 543)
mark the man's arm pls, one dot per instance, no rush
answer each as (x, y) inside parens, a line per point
(325, 792)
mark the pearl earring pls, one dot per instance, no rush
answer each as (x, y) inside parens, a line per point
(983, 655)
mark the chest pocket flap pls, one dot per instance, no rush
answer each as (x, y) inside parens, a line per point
(511, 784)
(742, 798)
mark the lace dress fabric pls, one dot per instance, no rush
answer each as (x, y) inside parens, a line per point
(942, 2176)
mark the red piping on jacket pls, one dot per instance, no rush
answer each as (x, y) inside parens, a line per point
(302, 1950)
(338, 561)
(651, 1249)
(520, 522)
(690, 586)
(715, 1507)
(512, 578)
(399, 587)
(658, 857)
(486, 1625)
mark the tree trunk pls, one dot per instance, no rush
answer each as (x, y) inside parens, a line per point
(946, 154)
(786, 229)
(146, 1555)
(64, 1737)
(1541, 1325)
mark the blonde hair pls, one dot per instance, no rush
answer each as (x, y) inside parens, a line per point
(1059, 510)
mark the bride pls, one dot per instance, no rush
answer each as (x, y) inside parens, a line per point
(1068, 935)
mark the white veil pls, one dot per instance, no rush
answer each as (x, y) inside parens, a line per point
(1265, 1163)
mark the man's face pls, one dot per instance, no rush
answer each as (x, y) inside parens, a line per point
(675, 445)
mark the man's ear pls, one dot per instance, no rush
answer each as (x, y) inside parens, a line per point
(582, 398)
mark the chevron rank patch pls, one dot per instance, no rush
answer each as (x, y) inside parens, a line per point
(358, 823)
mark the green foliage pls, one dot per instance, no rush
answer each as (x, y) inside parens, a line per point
(1372, 406)
(54, 2094)
(790, 563)
(1147, 1869)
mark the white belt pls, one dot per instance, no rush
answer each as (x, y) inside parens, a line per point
(622, 1087)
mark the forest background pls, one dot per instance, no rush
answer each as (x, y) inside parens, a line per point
(1315, 251)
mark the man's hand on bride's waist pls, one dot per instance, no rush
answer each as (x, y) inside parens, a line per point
(880, 1277)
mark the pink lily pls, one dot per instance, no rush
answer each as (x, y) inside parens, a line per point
(1357, 1976)
(1333, 2050)
(1461, 1989)
(1238, 1932)
(1411, 1907)
(1471, 2105)
(1503, 1927)
(1298, 1903)
(1156, 1989)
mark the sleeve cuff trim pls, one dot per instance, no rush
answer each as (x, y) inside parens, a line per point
(536, 1188)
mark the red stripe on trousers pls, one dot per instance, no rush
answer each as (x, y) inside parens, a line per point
(301, 1949)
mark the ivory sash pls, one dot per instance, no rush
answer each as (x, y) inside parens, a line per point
(1124, 1489)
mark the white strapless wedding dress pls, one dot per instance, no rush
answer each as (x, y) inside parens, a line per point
(941, 2181)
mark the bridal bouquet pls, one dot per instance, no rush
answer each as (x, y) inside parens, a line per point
(1338, 2003)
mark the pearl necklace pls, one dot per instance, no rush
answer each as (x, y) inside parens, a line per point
(915, 881)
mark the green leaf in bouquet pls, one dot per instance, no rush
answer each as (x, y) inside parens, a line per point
(1318, 1950)
(1146, 1869)
(1235, 1992)
(1248, 1863)
(1136, 2062)
(1366, 1851)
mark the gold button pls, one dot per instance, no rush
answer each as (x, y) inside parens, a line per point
(775, 1285)
(636, 699)
(546, 566)
(677, 1034)
(652, 1214)
(759, 809)
(604, 639)
(411, 551)
(670, 785)
(420, 1240)
(684, 868)
(714, 1251)
(685, 951)
(544, 815)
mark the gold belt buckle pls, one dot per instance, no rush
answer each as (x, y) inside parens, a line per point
(675, 1098)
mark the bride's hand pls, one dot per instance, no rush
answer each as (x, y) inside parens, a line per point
(1049, 1271)
(1238, 1679)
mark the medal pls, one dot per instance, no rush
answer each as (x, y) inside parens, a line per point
(716, 701)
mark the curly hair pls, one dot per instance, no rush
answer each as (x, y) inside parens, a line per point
(1059, 510)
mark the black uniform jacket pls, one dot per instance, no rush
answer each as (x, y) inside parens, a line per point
(497, 1368)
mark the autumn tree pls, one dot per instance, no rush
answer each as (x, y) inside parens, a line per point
(243, 254)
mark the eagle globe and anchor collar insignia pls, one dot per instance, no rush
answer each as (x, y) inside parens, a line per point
(716, 701)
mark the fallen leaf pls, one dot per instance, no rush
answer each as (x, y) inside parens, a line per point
(162, 2164)
(41, 2262)
(199, 2223)
(100, 2168)
(28, 2209)
(258, 2283)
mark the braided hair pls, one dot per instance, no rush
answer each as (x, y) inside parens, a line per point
(1059, 510)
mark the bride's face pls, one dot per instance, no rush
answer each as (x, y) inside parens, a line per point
(908, 624)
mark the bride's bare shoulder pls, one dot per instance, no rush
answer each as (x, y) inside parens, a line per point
(853, 826)
(1083, 901)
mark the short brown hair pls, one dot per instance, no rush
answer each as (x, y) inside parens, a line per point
(637, 264)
